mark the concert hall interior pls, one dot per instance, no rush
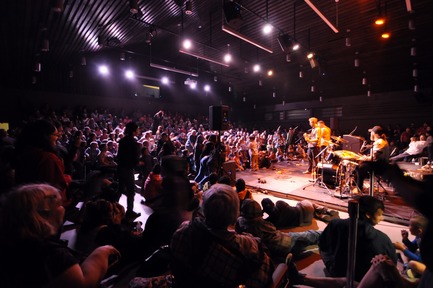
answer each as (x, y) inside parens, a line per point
(299, 101)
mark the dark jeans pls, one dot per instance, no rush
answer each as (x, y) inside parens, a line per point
(127, 186)
(312, 160)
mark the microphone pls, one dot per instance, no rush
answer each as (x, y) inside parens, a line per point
(353, 131)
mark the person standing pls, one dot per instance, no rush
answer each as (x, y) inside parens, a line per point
(313, 139)
(127, 160)
(325, 135)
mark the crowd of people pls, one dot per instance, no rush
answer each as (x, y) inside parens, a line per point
(216, 231)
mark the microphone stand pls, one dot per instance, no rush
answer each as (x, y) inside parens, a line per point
(319, 180)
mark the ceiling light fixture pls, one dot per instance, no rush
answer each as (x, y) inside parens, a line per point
(235, 33)
(321, 16)
(133, 6)
(188, 7)
(348, 44)
(287, 43)
(172, 69)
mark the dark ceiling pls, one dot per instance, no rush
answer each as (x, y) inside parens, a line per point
(73, 34)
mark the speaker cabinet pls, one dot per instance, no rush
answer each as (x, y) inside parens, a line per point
(353, 143)
(218, 117)
(229, 170)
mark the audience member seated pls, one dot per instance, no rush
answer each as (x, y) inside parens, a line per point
(410, 249)
(415, 149)
(333, 243)
(212, 179)
(31, 253)
(279, 243)
(282, 215)
(152, 185)
(243, 192)
(206, 253)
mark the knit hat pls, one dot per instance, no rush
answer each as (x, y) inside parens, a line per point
(220, 206)
(251, 209)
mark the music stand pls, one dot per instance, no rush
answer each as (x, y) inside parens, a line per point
(319, 180)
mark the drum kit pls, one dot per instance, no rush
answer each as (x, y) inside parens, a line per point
(337, 169)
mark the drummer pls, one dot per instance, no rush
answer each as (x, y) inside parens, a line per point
(325, 137)
(379, 152)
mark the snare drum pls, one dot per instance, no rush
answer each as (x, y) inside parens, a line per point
(330, 174)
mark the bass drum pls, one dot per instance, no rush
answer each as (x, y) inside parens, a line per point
(330, 174)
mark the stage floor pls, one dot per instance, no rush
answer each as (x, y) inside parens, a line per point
(286, 180)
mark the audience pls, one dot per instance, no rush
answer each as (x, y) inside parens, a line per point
(31, 253)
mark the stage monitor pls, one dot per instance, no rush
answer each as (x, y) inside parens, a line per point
(352, 143)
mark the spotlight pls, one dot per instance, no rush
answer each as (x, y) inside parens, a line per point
(270, 73)
(274, 94)
(133, 6)
(165, 80)
(256, 68)
(267, 28)
(356, 62)
(385, 35)
(232, 12)
(206, 88)
(103, 70)
(413, 48)
(187, 44)
(228, 58)
(188, 7)
(348, 44)
(215, 78)
(301, 73)
(379, 21)
(129, 74)
(37, 67)
(288, 57)
(122, 56)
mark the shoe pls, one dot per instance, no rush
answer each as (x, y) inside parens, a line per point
(131, 215)
(295, 277)
(306, 172)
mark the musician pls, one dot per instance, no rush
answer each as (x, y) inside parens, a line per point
(325, 135)
(313, 139)
(379, 151)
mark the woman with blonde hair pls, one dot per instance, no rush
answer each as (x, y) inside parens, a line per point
(31, 253)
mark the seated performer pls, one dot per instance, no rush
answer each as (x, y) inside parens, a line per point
(379, 152)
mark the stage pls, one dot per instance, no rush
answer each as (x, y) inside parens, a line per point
(286, 180)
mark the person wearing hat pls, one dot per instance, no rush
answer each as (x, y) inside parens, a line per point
(206, 253)
(279, 243)
(379, 152)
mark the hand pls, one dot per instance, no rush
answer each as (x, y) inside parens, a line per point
(404, 234)
(400, 246)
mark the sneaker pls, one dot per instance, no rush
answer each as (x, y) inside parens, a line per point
(306, 172)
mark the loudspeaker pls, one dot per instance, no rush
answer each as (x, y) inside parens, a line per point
(353, 143)
(229, 170)
(218, 117)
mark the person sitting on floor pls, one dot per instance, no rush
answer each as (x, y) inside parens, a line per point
(279, 243)
(31, 253)
(415, 149)
(213, 179)
(206, 253)
(333, 244)
(282, 215)
(242, 191)
(410, 249)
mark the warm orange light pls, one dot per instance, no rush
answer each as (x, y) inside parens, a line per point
(270, 72)
(379, 21)
(386, 35)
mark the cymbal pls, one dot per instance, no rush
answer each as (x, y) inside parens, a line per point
(338, 139)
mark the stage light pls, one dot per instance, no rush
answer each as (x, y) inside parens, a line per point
(228, 58)
(187, 44)
(270, 73)
(188, 7)
(288, 57)
(71, 73)
(206, 88)
(287, 43)
(165, 80)
(37, 67)
(274, 94)
(83, 61)
(129, 74)
(348, 42)
(133, 6)
(45, 45)
(122, 56)
(193, 85)
(364, 79)
(413, 48)
(103, 70)
(256, 68)
(301, 73)
(379, 21)
(356, 61)
(267, 28)
(385, 35)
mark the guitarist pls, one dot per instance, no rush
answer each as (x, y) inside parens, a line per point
(312, 139)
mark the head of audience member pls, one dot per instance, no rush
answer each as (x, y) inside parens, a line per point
(224, 180)
(40, 134)
(31, 212)
(178, 194)
(213, 178)
(268, 206)
(251, 210)
(240, 185)
(220, 206)
(371, 209)
(417, 225)
(97, 213)
(131, 128)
